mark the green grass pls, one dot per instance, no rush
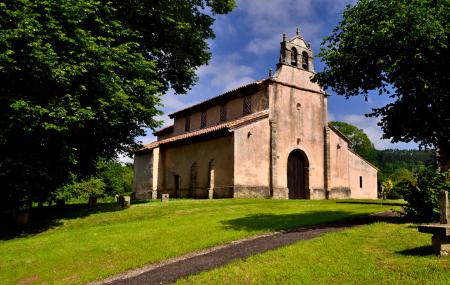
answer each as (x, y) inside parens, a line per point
(373, 254)
(87, 245)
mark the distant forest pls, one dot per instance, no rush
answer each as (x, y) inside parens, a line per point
(390, 161)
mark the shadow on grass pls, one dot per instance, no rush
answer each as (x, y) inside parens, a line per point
(45, 218)
(273, 222)
(424, 250)
(372, 203)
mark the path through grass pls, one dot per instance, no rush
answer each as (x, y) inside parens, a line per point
(372, 254)
(92, 245)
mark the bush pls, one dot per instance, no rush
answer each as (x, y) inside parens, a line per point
(83, 189)
(115, 176)
(422, 196)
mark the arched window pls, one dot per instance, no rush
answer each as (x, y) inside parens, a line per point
(305, 60)
(294, 55)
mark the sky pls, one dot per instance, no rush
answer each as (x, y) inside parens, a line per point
(247, 44)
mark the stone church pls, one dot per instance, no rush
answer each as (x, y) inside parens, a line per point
(269, 138)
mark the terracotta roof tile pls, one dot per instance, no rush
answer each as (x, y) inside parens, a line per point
(248, 85)
(227, 125)
(163, 130)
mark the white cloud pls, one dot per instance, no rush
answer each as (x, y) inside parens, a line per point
(270, 19)
(223, 73)
(124, 158)
(373, 131)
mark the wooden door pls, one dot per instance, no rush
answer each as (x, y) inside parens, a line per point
(296, 170)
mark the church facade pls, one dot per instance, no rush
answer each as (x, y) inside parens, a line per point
(269, 138)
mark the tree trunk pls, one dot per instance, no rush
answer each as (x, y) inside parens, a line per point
(92, 201)
(444, 155)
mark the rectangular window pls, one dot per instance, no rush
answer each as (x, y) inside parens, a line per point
(247, 105)
(203, 120)
(187, 124)
(223, 113)
(360, 182)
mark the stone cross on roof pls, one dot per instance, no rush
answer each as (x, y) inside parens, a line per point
(444, 206)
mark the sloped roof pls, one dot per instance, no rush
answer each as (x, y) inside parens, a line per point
(350, 143)
(217, 99)
(224, 126)
(165, 130)
(339, 133)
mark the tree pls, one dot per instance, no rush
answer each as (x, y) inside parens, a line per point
(387, 187)
(117, 177)
(360, 141)
(81, 79)
(400, 48)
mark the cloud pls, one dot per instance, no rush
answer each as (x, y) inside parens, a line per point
(268, 21)
(373, 131)
(224, 72)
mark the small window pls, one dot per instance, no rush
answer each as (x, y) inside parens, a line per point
(247, 105)
(187, 124)
(223, 113)
(360, 182)
(294, 56)
(203, 120)
(305, 60)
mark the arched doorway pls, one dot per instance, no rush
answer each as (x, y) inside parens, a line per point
(297, 174)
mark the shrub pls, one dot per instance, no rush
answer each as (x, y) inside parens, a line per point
(83, 189)
(115, 176)
(422, 196)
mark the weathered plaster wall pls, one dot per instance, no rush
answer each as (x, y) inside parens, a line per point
(233, 108)
(213, 116)
(252, 160)
(339, 159)
(179, 160)
(179, 124)
(298, 120)
(143, 176)
(297, 77)
(359, 167)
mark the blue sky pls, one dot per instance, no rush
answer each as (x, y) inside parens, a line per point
(247, 44)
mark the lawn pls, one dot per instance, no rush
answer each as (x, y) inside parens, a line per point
(372, 254)
(88, 245)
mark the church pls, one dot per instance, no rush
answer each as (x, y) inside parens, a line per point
(267, 139)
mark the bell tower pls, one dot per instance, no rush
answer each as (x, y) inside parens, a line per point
(296, 52)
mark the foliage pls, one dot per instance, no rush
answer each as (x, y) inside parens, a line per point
(396, 163)
(105, 237)
(423, 196)
(360, 141)
(387, 187)
(116, 177)
(400, 178)
(399, 48)
(81, 80)
(83, 189)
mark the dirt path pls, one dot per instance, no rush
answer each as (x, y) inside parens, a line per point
(173, 269)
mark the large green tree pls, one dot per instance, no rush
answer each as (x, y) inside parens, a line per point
(401, 48)
(81, 79)
(360, 141)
